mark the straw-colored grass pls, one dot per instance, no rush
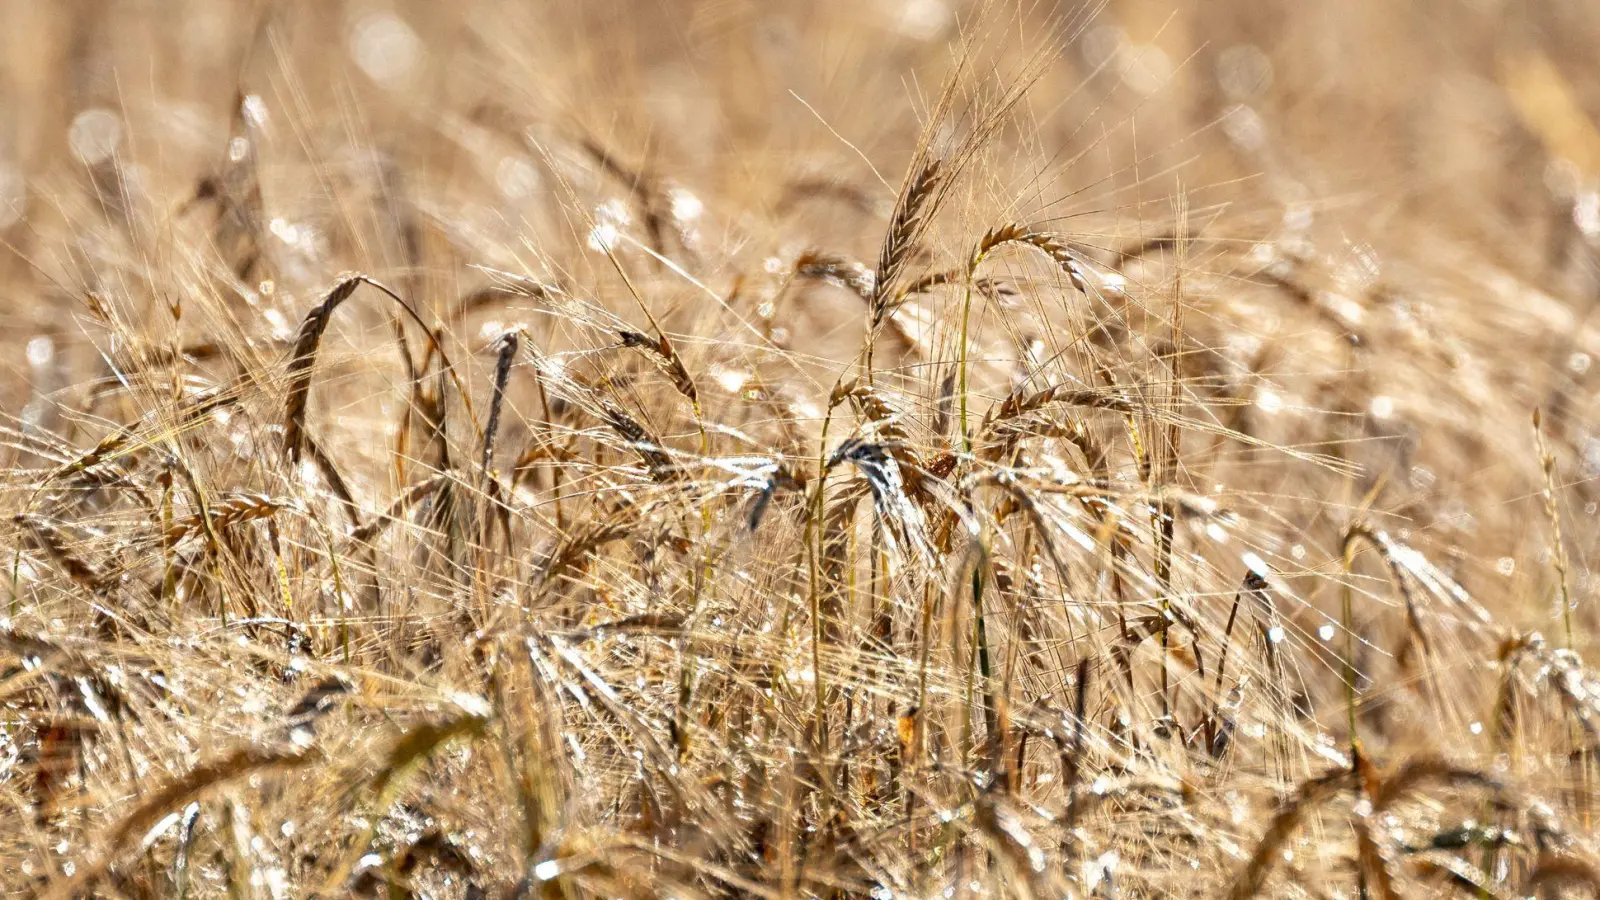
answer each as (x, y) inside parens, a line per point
(512, 450)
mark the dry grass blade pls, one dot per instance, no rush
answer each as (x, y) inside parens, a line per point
(854, 276)
(663, 354)
(337, 485)
(1072, 751)
(412, 496)
(28, 648)
(1062, 598)
(112, 445)
(569, 553)
(415, 745)
(171, 796)
(409, 751)
(1555, 870)
(1307, 797)
(236, 191)
(646, 191)
(502, 374)
(1416, 773)
(304, 354)
(644, 443)
(49, 537)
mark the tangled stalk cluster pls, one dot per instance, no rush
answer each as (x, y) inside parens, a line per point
(613, 527)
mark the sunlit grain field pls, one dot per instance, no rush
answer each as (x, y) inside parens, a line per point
(890, 448)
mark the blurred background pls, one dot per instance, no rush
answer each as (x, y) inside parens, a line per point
(1360, 118)
(1376, 221)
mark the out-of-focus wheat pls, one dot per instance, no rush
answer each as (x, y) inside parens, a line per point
(1128, 502)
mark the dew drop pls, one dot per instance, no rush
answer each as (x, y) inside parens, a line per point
(41, 350)
(94, 135)
(279, 323)
(1100, 44)
(1586, 213)
(686, 207)
(603, 237)
(385, 48)
(731, 380)
(516, 177)
(284, 231)
(1244, 127)
(1146, 68)
(1244, 72)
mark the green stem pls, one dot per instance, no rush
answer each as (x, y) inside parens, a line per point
(985, 670)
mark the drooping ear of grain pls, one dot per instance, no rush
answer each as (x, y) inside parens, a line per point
(1554, 869)
(303, 355)
(173, 795)
(754, 616)
(1306, 798)
(508, 343)
(665, 355)
(301, 360)
(49, 537)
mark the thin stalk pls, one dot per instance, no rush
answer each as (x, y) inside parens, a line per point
(338, 591)
(1558, 553)
(1346, 621)
(168, 577)
(961, 357)
(985, 668)
(16, 579)
(1547, 465)
(700, 589)
(814, 542)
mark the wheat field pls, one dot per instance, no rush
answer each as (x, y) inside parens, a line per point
(729, 448)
